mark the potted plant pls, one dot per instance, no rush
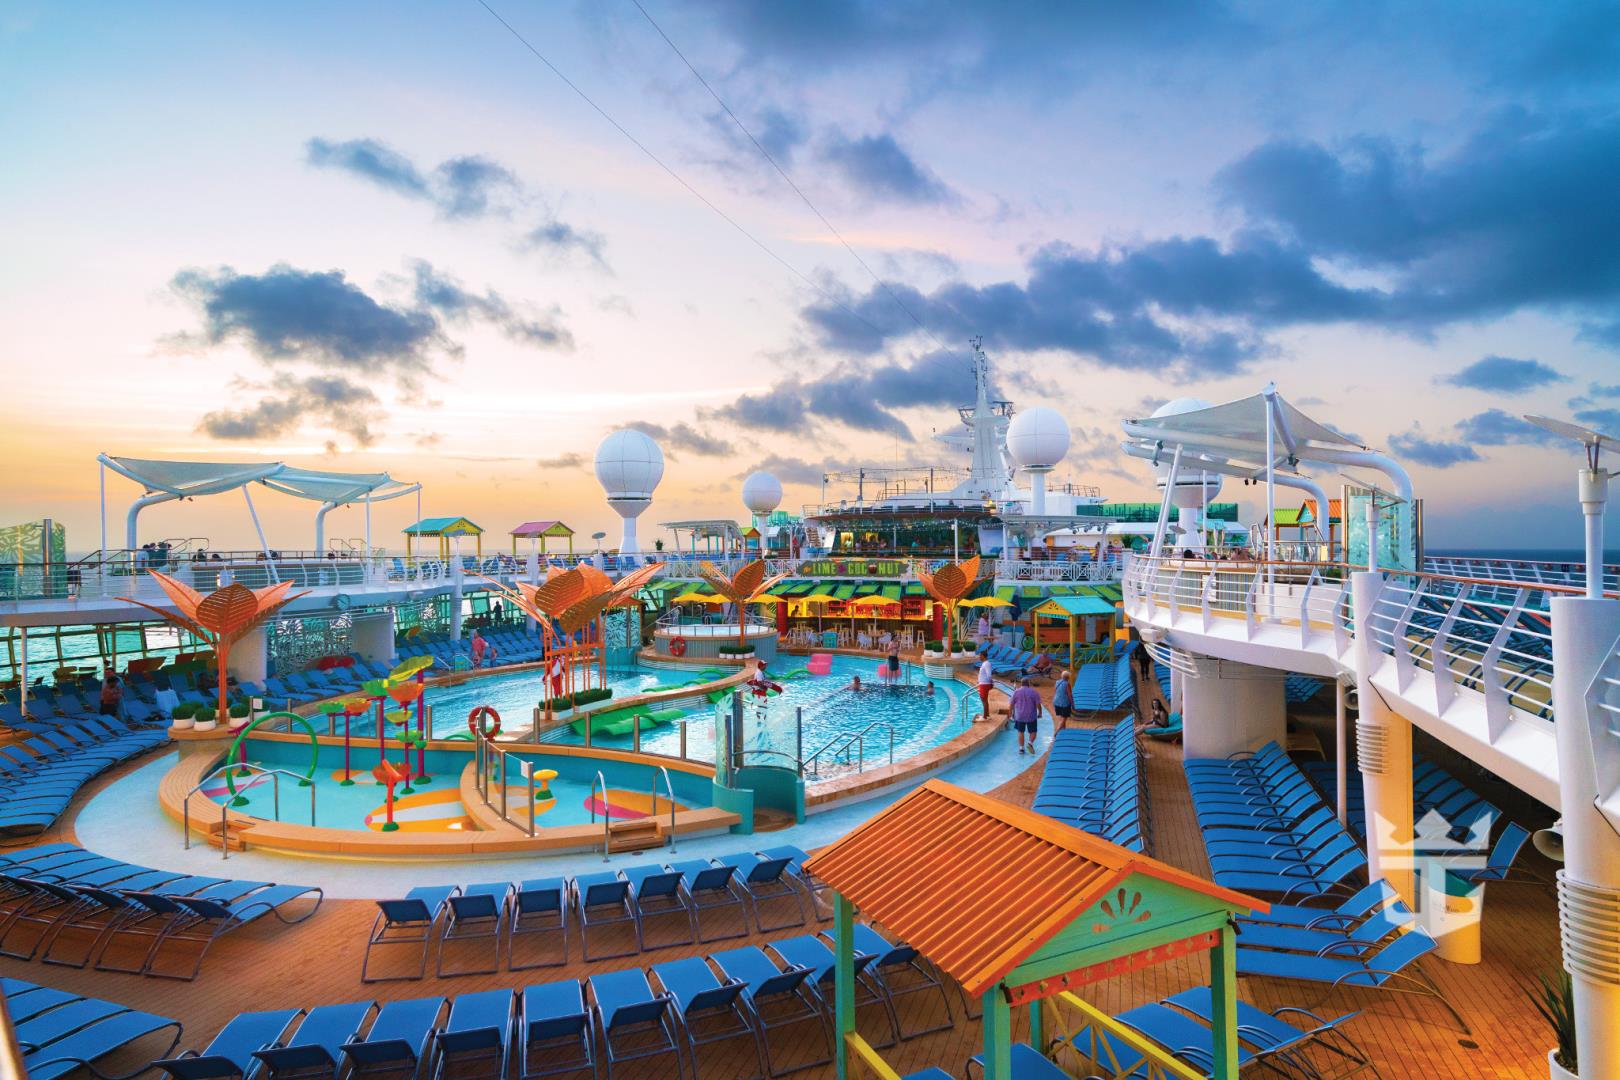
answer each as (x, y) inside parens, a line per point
(183, 716)
(206, 718)
(240, 710)
(737, 652)
(933, 650)
(1554, 998)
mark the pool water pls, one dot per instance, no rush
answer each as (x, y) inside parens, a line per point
(832, 712)
(435, 806)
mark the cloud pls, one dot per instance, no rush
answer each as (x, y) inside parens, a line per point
(781, 133)
(1494, 427)
(371, 160)
(428, 440)
(561, 238)
(1173, 306)
(880, 169)
(1595, 392)
(859, 396)
(1519, 214)
(562, 461)
(444, 294)
(319, 317)
(1604, 420)
(1435, 453)
(1504, 375)
(1606, 334)
(468, 186)
(791, 470)
(684, 436)
(346, 406)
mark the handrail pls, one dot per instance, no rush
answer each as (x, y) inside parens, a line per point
(605, 832)
(224, 807)
(858, 737)
(669, 787)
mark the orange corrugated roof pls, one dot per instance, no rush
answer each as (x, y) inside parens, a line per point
(978, 885)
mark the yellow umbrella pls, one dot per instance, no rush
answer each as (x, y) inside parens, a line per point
(874, 602)
(985, 601)
(817, 598)
(693, 596)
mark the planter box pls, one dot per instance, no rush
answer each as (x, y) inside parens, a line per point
(1556, 1071)
(205, 725)
(736, 657)
(239, 722)
(183, 723)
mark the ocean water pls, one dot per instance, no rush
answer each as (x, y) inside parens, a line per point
(1570, 555)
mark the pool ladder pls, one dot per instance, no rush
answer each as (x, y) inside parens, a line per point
(224, 807)
(841, 744)
(607, 821)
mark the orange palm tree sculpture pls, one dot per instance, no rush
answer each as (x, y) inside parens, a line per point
(949, 585)
(572, 600)
(221, 618)
(745, 585)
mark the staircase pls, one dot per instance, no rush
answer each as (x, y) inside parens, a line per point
(635, 834)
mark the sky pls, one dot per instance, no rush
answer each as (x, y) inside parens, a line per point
(461, 242)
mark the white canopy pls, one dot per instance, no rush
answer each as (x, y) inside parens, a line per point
(185, 479)
(337, 488)
(1245, 419)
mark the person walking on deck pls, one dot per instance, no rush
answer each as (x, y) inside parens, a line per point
(1026, 708)
(1062, 701)
(987, 679)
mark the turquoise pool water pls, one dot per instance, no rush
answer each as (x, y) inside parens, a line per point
(436, 805)
(815, 711)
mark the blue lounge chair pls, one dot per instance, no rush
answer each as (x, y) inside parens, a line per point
(477, 913)
(636, 1022)
(899, 970)
(656, 892)
(540, 906)
(709, 1010)
(776, 999)
(476, 1038)
(1499, 863)
(1269, 1035)
(765, 879)
(81, 1045)
(316, 1048)
(399, 1041)
(711, 885)
(603, 899)
(554, 1030)
(811, 952)
(1385, 968)
(1028, 1063)
(230, 1054)
(409, 920)
(206, 919)
(813, 888)
(1358, 906)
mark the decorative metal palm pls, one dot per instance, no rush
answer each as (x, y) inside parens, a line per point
(740, 588)
(950, 585)
(221, 618)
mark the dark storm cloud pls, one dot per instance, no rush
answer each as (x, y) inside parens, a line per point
(859, 396)
(1503, 375)
(881, 170)
(343, 405)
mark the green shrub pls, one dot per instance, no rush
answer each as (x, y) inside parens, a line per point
(240, 709)
(938, 645)
(185, 709)
(736, 650)
(205, 713)
(577, 698)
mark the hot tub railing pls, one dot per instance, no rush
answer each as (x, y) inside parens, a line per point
(224, 807)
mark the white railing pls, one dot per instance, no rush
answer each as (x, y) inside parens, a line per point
(1302, 599)
(1057, 569)
(1518, 571)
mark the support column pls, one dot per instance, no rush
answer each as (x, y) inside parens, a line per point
(1341, 751)
(1232, 707)
(1584, 635)
(997, 1034)
(529, 622)
(457, 574)
(373, 637)
(249, 659)
(844, 980)
(1384, 752)
(1178, 690)
(1223, 1001)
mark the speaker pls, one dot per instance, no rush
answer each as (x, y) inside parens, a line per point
(1550, 841)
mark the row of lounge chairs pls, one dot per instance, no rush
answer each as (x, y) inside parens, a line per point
(1093, 781)
(511, 647)
(1434, 791)
(40, 776)
(60, 1032)
(48, 701)
(66, 905)
(571, 1026)
(1267, 831)
(660, 905)
(303, 687)
(1005, 660)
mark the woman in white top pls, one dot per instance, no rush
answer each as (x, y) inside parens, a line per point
(987, 679)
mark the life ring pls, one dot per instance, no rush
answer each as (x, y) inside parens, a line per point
(677, 646)
(475, 721)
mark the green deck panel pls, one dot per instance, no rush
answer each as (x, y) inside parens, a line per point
(890, 591)
(1006, 592)
(1029, 592)
(843, 592)
(915, 589)
(868, 588)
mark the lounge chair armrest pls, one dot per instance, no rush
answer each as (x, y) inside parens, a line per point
(1355, 947)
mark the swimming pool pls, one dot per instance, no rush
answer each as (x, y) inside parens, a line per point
(833, 712)
(435, 806)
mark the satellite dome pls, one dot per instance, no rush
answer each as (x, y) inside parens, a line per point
(629, 464)
(761, 492)
(1038, 438)
(1181, 405)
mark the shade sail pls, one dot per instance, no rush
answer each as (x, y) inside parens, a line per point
(337, 487)
(1246, 419)
(191, 478)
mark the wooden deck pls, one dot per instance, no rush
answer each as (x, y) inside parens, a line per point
(267, 965)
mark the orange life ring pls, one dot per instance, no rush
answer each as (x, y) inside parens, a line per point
(677, 646)
(475, 721)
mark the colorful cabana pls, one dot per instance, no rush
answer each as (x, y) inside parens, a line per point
(542, 531)
(445, 529)
(1072, 609)
(1018, 908)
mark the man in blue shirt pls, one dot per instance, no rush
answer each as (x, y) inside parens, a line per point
(1026, 707)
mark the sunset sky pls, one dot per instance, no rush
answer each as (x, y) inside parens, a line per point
(386, 236)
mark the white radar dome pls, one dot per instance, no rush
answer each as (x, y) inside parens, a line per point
(629, 464)
(1038, 438)
(1193, 486)
(761, 492)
